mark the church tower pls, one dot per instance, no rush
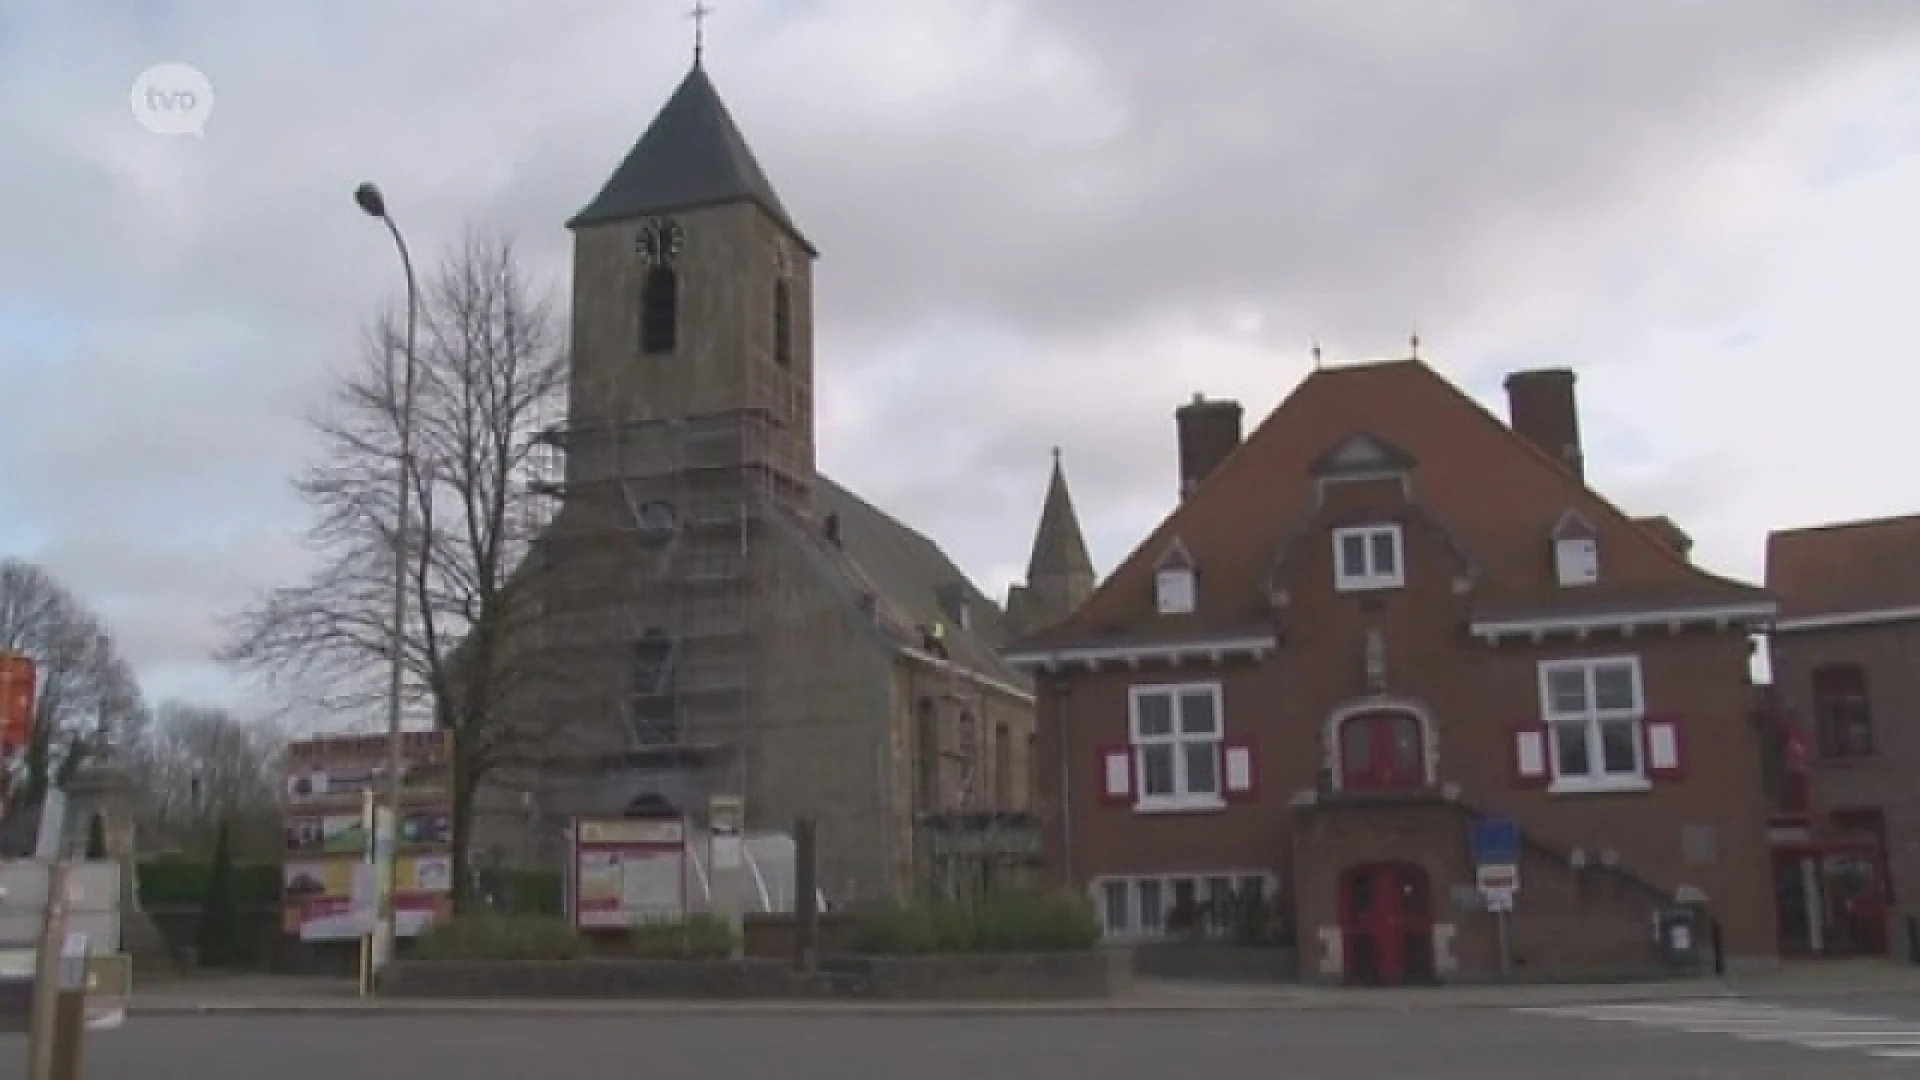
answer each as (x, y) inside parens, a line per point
(692, 314)
(1060, 572)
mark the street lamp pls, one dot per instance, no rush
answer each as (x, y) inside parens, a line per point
(386, 834)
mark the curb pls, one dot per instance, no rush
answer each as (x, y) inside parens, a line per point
(765, 1010)
(575, 1010)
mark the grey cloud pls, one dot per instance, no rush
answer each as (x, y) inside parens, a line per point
(1096, 184)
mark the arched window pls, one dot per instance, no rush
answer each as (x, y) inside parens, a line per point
(650, 697)
(659, 311)
(782, 324)
(1002, 767)
(927, 753)
(1842, 711)
(1382, 751)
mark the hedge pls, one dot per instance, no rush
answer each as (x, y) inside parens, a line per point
(171, 883)
(180, 883)
(494, 936)
(1003, 923)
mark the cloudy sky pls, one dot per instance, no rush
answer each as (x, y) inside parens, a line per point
(1041, 222)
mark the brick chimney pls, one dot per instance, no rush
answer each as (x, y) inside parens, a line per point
(1209, 431)
(1541, 409)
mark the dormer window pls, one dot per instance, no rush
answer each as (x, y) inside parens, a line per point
(1174, 587)
(1576, 551)
(1368, 557)
(1173, 582)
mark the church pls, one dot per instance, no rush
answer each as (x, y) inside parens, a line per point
(718, 620)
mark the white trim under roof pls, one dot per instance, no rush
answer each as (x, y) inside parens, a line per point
(1841, 620)
(1721, 616)
(985, 681)
(1133, 654)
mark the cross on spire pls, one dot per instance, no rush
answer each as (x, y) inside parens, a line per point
(699, 16)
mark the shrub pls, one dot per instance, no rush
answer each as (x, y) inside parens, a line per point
(219, 907)
(699, 937)
(1003, 923)
(488, 936)
(168, 882)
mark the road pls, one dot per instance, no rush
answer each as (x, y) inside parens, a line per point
(1440, 1044)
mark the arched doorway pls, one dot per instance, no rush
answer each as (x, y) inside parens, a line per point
(1384, 750)
(1386, 924)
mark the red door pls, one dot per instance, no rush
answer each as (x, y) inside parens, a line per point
(1381, 752)
(1387, 924)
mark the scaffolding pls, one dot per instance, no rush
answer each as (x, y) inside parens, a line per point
(657, 557)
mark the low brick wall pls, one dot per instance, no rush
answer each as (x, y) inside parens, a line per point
(769, 935)
(604, 978)
(1216, 962)
(986, 977)
(1063, 976)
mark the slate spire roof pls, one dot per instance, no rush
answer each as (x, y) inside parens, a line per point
(692, 155)
(1059, 548)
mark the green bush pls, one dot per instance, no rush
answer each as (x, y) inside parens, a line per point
(219, 922)
(489, 936)
(522, 892)
(699, 937)
(1003, 923)
(178, 883)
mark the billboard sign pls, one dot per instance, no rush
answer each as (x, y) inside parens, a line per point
(628, 871)
(329, 882)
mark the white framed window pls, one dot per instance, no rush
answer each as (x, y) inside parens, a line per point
(1368, 557)
(1175, 730)
(1174, 591)
(1144, 907)
(1595, 713)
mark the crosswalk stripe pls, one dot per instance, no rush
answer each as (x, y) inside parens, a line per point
(1758, 1022)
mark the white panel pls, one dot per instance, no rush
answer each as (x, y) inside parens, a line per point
(1578, 560)
(1239, 769)
(1176, 592)
(1531, 753)
(1119, 774)
(1663, 746)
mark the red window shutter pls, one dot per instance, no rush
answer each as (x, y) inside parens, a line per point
(1238, 780)
(1666, 755)
(1530, 755)
(1116, 775)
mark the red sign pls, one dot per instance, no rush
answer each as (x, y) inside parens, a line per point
(17, 678)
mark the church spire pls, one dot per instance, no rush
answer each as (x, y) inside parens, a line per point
(1060, 574)
(1059, 548)
(691, 156)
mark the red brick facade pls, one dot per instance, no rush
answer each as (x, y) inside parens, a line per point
(1376, 617)
(1846, 676)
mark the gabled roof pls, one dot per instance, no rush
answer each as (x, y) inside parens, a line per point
(692, 155)
(1498, 492)
(1361, 454)
(1846, 568)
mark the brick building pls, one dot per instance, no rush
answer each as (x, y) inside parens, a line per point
(1846, 675)
(1380, 617)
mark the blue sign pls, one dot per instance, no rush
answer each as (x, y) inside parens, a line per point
(1495, 842)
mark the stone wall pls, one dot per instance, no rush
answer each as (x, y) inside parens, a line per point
(769, 935)
(1216, 962)
(1011, 977)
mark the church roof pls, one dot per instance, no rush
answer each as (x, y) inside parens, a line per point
(907, 575)
(1059, 547)
(692, 155)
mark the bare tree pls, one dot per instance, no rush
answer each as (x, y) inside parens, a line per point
(87, 692)
(196, 766)
(489, 369)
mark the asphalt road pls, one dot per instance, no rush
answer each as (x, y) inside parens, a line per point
(1450, 1044)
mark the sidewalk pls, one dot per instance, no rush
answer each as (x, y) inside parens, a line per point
(284, 996)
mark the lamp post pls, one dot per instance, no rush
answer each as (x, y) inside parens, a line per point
(386, 834)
